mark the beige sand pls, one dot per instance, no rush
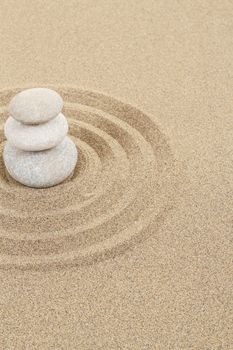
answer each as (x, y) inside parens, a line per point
(134, 251)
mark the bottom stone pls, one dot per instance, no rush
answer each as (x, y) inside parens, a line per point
(44, 168)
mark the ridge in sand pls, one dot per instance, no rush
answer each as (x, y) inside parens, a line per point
(124, 183)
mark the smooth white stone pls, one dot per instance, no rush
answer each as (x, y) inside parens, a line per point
(41, 169)
(36, 137)
(35, 106)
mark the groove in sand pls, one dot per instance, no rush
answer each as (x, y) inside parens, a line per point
(121, 189)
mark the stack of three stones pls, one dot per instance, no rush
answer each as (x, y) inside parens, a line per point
(38, 152)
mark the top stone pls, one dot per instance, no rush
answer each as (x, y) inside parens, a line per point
(35, 106)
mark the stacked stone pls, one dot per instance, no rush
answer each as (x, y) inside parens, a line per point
(38, 153)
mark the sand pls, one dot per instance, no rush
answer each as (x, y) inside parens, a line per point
(134, 250)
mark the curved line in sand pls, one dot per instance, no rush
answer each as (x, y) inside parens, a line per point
(122, 188)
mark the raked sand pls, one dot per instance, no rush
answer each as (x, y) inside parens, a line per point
(134, 250)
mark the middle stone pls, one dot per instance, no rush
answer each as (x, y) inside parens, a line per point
(36, 137)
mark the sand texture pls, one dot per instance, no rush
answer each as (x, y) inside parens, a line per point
(134, 250)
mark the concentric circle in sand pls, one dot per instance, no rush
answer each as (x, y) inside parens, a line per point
(121, 189)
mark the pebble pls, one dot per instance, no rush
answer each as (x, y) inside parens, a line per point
(41, 169)
(35, 106)
(36, 137)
